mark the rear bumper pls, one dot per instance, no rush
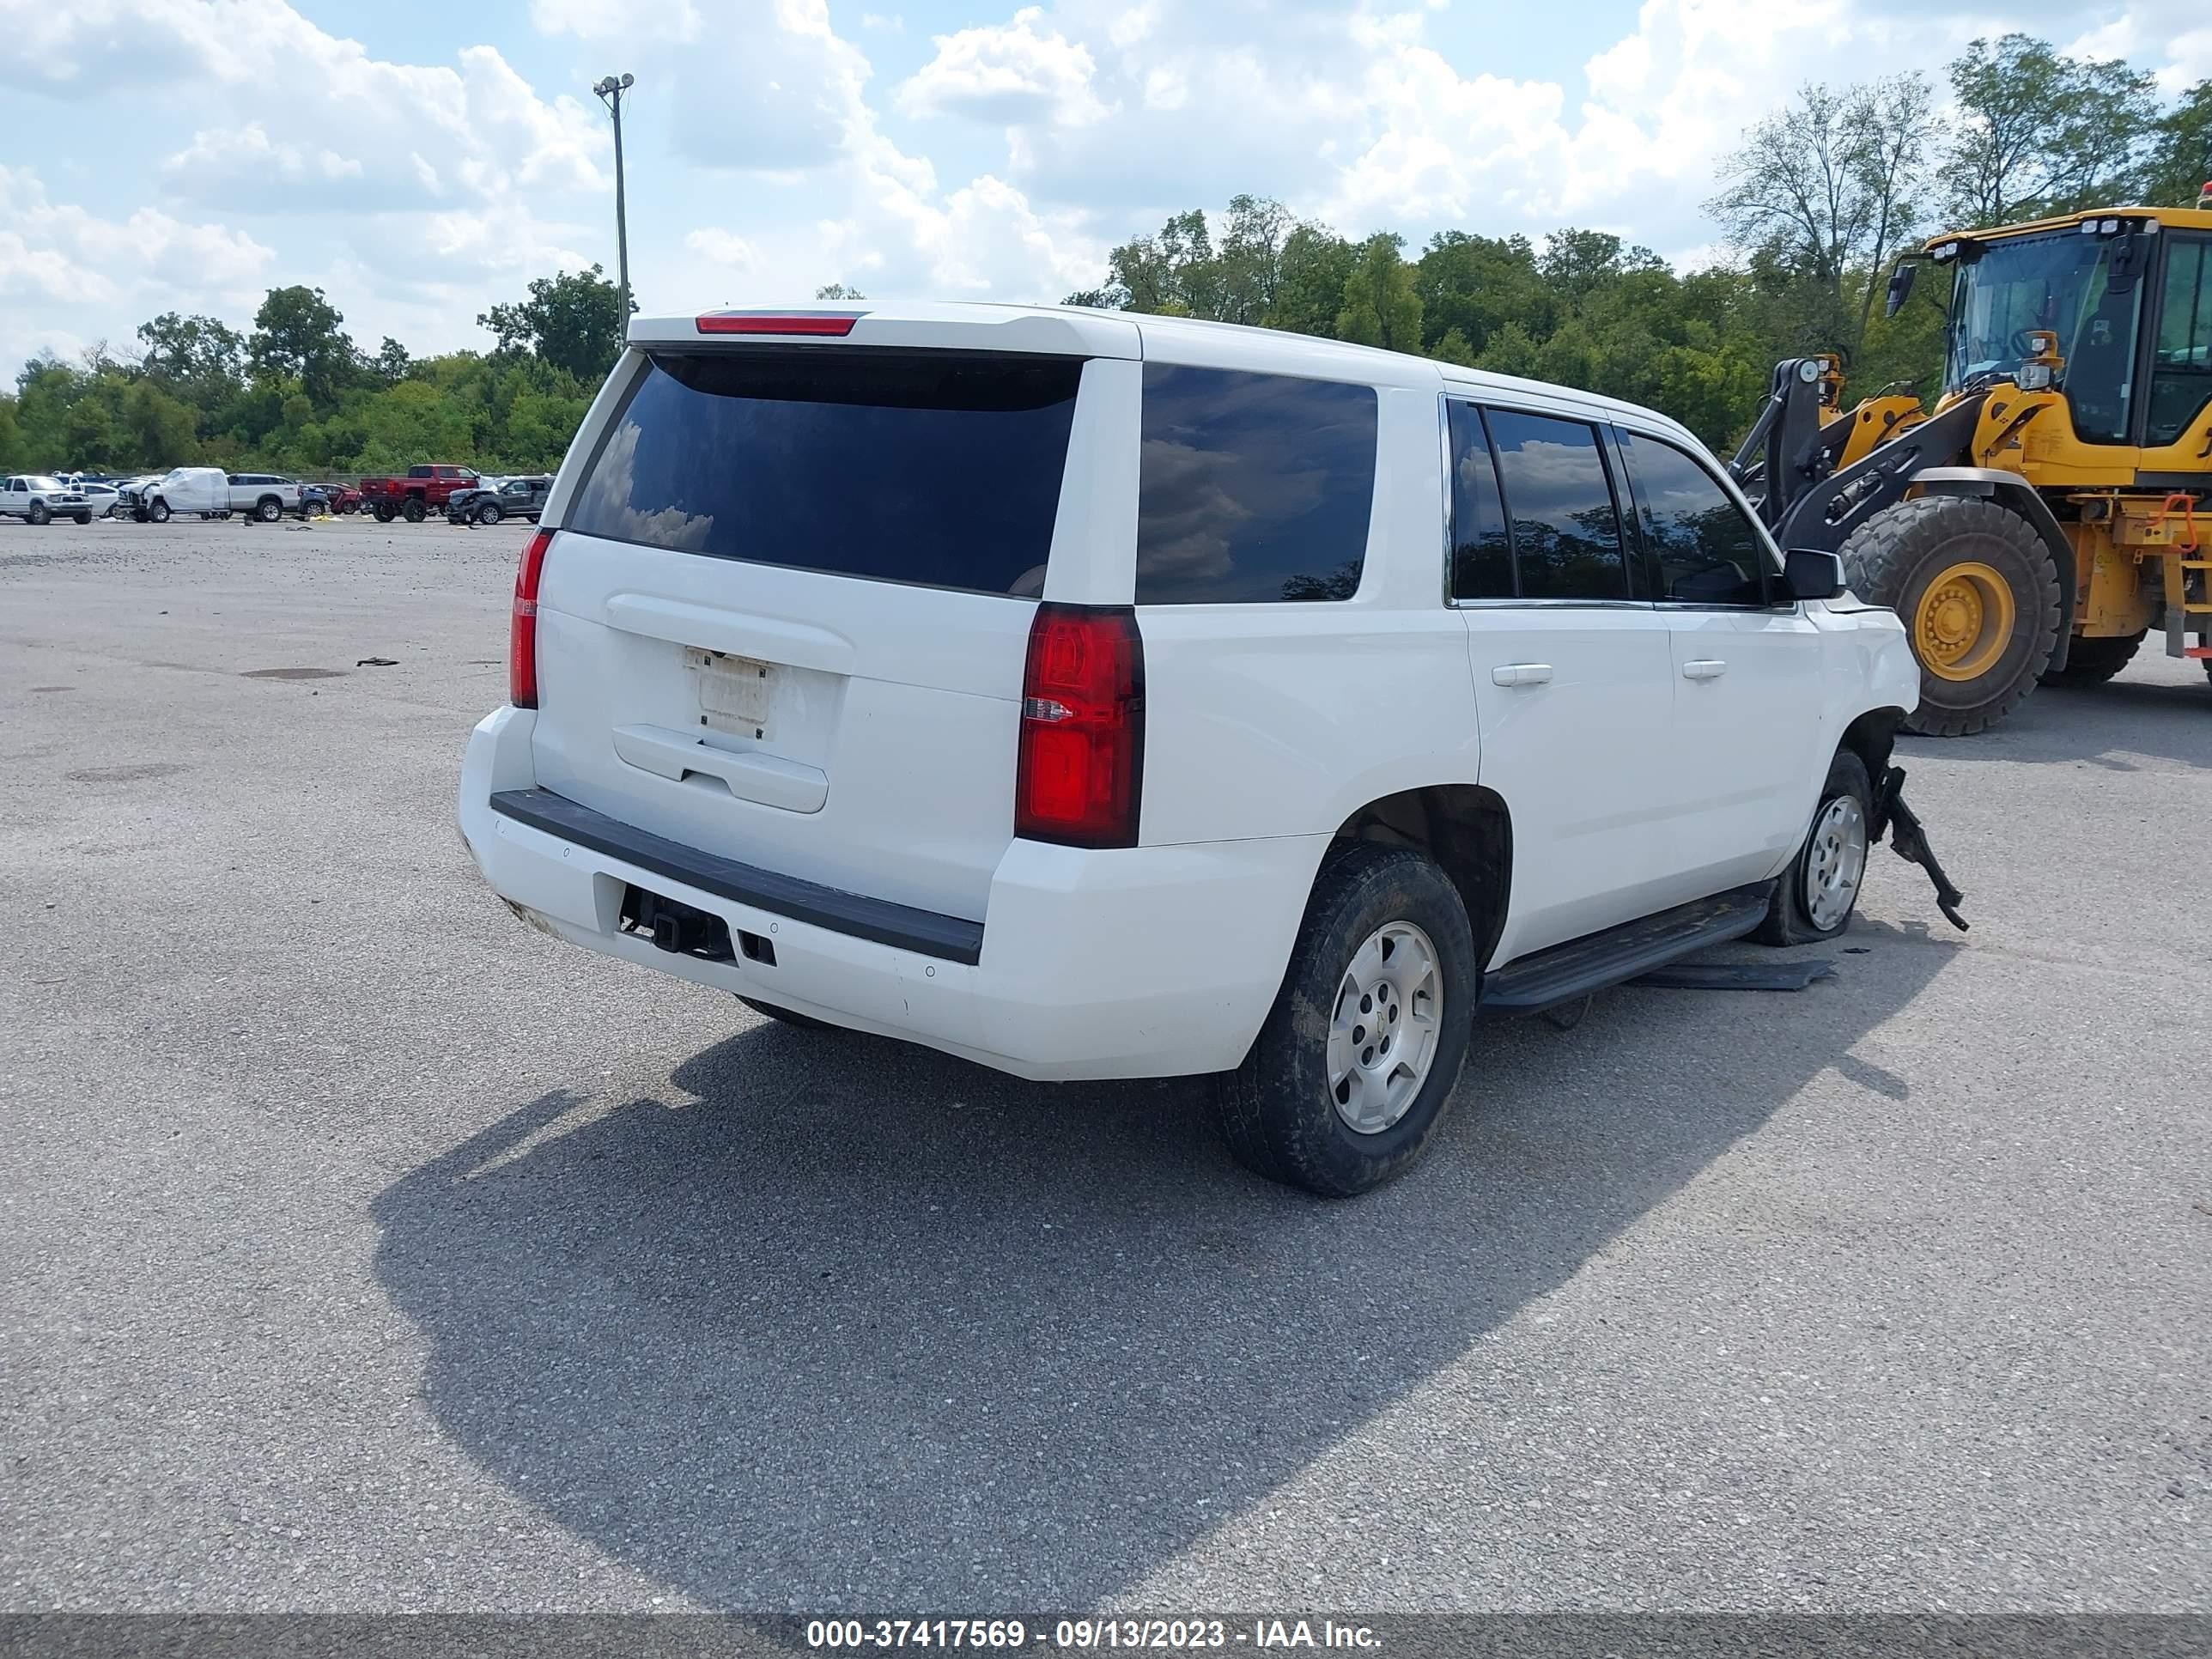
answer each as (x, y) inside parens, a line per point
(1140, 962)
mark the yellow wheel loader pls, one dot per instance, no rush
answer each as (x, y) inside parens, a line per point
(2056, 504)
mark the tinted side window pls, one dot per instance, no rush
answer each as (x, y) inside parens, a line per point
(2181, 375)
(1566, 534)
(1482, 553)
(1709, 552)
(1252, 487)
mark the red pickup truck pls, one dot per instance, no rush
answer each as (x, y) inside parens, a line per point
(414, 497)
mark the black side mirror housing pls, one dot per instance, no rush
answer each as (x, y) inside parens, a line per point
(1807, 574)
(1900, 288)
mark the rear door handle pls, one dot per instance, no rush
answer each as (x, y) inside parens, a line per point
(1520, 673)
(1708, 668)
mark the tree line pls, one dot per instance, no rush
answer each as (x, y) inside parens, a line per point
(296, 393)
(1814, 205)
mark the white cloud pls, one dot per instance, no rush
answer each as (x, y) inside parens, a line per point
(63, 255)
(1007, 72)
(363, 124)
(723, 247)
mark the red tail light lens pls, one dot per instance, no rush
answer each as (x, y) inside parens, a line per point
(522, 636)
(1081, 766)
(779, 322)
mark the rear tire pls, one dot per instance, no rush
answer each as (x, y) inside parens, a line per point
(383, 513)
(796, 1021)
(2091, 662)
(414, 511)
(1385, 951)
(1978, 594)
(1819, 893)
(38, 514)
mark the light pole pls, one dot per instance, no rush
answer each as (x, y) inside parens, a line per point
(610, 92)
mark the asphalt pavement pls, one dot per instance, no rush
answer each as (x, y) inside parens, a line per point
(367, 1250)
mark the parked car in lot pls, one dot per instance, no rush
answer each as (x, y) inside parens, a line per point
(424, 490)
(41, 499)
(329, 498)
(510, 498)
(100, 494)
(1129, 696)
(204, 490)
(263, 495)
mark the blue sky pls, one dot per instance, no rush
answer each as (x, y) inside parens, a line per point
(420, 161)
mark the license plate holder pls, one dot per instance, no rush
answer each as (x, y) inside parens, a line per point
(735, 693)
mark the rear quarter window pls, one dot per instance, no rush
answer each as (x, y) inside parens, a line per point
(941, 468)
(1252, 487)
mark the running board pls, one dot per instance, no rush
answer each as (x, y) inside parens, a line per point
(1598, 961)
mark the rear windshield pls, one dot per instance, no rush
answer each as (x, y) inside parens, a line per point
(938, 468)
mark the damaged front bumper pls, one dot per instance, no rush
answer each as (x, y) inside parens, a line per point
(1909, 840)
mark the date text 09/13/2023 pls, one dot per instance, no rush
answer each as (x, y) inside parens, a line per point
(1084, 1635)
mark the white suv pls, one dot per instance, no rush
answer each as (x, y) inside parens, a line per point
(1107, 696)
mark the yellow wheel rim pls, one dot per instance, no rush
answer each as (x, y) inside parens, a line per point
(1963, 622)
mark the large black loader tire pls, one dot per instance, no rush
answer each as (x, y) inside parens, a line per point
(1978, 592)
(2091, 662)
(1381, 982)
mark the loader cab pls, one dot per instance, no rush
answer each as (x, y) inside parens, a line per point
(2128, 294)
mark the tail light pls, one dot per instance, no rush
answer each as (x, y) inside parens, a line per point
(1080, 768)
(522, 636)
(835, 323)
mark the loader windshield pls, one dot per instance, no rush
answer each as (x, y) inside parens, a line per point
(2060, 282)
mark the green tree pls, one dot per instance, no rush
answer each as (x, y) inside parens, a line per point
(2180, 160)
(838, 291)
(1381, 307)
(1310, 289)
(391, 364)
(572, 322)
(299, 334)
(1472, 286)
(2040, 133)
(201, 359)
(1828, 190)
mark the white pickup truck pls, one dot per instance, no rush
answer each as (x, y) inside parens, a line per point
(263, 495)
(38, 499)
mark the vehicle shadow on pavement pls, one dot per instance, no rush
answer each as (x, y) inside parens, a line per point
(2162, 719)
(841, 1325)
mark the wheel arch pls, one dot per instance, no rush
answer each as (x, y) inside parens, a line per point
(1468, 830)
(1872, 736)
(2013, 493)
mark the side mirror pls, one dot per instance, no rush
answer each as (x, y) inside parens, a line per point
(1809, 575)
(1900, 288)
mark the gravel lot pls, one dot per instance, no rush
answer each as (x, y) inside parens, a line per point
(367, 1250)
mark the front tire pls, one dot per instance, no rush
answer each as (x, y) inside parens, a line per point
(1977, 593)
(2091, 662)
(268, 509)
(1819, 891)
(159, 512)
(489, 514)
(84, 518)
(1353, 1067)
